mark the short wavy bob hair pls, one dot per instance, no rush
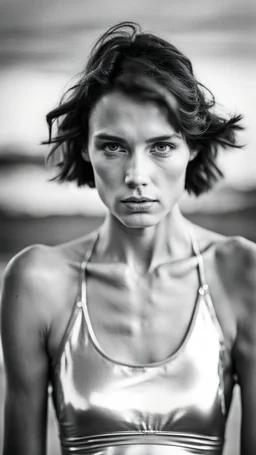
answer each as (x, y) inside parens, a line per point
(146, 67)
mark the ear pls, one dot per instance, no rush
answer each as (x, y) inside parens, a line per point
(193, 154)
(85, 155)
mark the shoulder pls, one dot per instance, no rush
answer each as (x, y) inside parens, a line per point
(31, 266)
(231, 268)
(237, 266)
(237, 246)
(238, 259)
(43, 262)
(40, 278)
(233, 257)
(230, 264)
(233, 260)
(26, 285)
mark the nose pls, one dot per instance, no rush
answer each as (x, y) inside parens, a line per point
(137, 172)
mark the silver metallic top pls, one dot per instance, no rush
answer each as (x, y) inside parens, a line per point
(173, 407)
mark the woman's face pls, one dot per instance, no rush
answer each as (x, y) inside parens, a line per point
(139, 160)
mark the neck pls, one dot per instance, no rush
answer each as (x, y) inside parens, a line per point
(144, 249)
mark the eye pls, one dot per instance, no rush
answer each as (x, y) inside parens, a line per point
(163, 148)
(112, 147)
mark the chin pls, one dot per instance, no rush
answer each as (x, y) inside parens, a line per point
(139, 220)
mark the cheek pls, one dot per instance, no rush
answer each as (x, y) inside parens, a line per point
(176, 168)
(107, 174)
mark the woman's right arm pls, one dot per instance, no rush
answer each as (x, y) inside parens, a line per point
(24, 329)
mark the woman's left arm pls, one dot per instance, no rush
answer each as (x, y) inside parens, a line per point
(245, 354)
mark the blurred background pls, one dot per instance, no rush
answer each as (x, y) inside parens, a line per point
(43, 45)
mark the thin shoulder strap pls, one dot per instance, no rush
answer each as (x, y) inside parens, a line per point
(204, 291)
(200, 261)
(204, 288)
(87, 257)
(80, 302)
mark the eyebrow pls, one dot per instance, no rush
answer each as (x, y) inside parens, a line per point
(112, 137)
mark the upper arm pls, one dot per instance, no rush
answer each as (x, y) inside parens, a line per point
(26, 364)
(245, 353)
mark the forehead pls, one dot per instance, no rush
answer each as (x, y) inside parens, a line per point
(128, 115)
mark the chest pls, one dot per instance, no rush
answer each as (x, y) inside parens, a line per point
(140, 319)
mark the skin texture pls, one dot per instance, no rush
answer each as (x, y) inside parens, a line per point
(142, 275)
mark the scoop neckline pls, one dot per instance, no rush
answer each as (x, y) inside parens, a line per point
(84, 305)
(159, 363)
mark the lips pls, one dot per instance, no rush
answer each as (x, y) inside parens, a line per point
(139, 199)
(139, 204)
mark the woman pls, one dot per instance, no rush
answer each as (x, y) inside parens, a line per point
(143, 327)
